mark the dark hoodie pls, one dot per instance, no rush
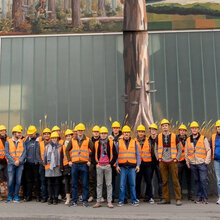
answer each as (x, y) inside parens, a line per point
(3, 139)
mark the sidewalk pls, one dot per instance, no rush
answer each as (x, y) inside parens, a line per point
(34, 211)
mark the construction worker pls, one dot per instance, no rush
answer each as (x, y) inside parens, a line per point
(66, 167)
(145, 167)
(198, 156)
(40, 153)
(53, 162)
(215, 144)
(78, 155)
(154, 164)
(104, 157)
(92, 168)
(3, 162)
(128, 164)
(57, 129)
(31, 166)
(182, 167)
(115, 136)
(15, 152)
(74, 132)
(168, 151)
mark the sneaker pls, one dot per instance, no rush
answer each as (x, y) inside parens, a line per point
(110, 205)
(102, 200)
(120, 204)
(80, 198)
(151, 201)
(198, 201)
(97, 205)
(205, 201)
(9, 199)
(85, 204)
(50, 201)
(60, 197)
(44, 200)
(138, 200)
(178, 203)
(74, 204)
(163, 202)
(55, 202)
(135, 203)
(90, 199)
(218, 201)
(16, 200)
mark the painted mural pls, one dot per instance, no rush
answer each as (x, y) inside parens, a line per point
(79, 16)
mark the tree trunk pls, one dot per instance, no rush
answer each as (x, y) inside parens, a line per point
(52, 9)
(101, 8)
(66, 4)
(3, 9)
(17, 13)
(138, 103)
(76, 13)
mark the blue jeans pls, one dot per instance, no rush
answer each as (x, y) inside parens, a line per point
(130, 174)
(77, 171)
(200, 173)
(14, 179)
(217, 173)
(43, 182)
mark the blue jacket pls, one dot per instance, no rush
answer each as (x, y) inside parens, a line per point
(217, 148)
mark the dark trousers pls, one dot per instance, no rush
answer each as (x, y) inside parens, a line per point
(80, 170)
(3, 172)
(145, 171)
(67, 183)
(53, 184)
(114, 175)
(200, 173)
(32, 178)
(182, 168)
(43, 182)
(92, 181)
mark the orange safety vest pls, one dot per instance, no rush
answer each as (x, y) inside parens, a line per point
(126, 154)
(145, 152)
(182, 157)
(199, 149)
(14, 152)
(40, 139)
(96, 150)
(213, 144)
(2, 149)
(80, 153)
(65, 161)
(61, 142)
(42, 148)
(172, 143)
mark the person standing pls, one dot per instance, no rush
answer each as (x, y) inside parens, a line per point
(15, 152)
(57, 129)
(168, 152)
(104, 157)
(215, 144)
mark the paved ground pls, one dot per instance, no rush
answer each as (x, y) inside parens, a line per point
(33, 210)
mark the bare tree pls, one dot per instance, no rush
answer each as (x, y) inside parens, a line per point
(76, 13)
(18, 13)
(137, 91)
(101, 8)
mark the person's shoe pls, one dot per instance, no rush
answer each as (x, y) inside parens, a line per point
(38, 199)
(90, 199)
(80, 198)
(55, 202)
(120, 204)
(60, 197)
(16, 200)
(102, 200)
(74, 204)
(198, 201)
(163, 202)
(125, 201)
(43, 200)
(97, 205)
(151, 201)
(113, 200)
(9, 199)
(135, 203)
(218, 201)
(85, 204)
(67, 199)
(50, 201)
(190, 199)
(205, 201)
(110, 205)
(178, 203)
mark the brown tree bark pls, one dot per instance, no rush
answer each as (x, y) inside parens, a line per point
(138, 105)
(18, 13)
(76, 13)
(101, 8)
(66, 4)
(52, 9)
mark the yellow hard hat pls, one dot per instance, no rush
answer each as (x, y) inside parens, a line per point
(126, 128)
(153, 126)
(183, 127)
(75, 128)
(81, 127)
(55, 128)
(2, 127)
(21, 128)
(46, 130)
(31, 129)
(217, 124)
(54, 135)
(116, 124)
(194, 124)
(103, 129)
(16, 129)
(141, 128)
(164, 121)
(68, 132)
(96, 128)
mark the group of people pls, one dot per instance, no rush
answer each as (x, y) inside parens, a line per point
(48, 166)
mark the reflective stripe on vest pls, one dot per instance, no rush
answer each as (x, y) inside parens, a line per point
(172, 145)
(80, 153)
(126, 154)
(42, 148)
(182, 157)
(213, 144)
(65, 160)
(145, 151)
(199, 149)
(2, 150)
(14, 152)
(96, 150)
